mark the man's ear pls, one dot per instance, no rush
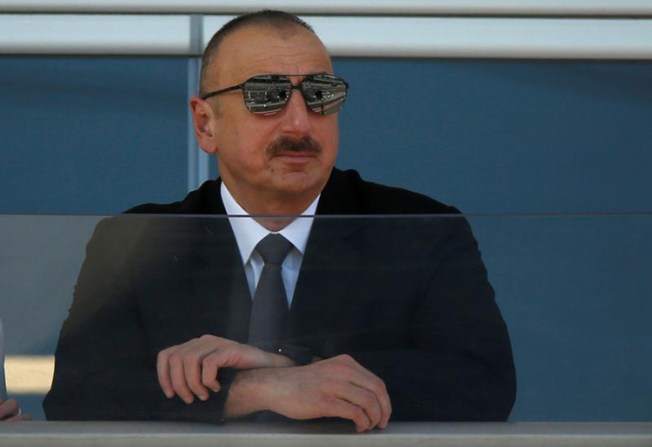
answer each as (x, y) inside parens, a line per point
(203, 120)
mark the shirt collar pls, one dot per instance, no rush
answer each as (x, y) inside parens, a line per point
(248, 232)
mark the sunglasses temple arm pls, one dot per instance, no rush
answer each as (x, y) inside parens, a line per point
(224, 90)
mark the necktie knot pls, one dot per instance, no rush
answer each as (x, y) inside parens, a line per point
(273, 248)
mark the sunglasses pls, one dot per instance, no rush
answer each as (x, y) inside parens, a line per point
(269, 93)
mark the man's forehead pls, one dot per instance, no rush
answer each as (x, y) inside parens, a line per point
(256, 49)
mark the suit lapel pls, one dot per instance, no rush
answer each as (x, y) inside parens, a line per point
(219, 279)
(333, 256)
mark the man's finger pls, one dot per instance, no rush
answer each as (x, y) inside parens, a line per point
(346, 410)
(192, 369)
(178, 379)
(163, 373)
(210, 368)
(179, 369)
(364, 399)
(376, 386)
(363, 378)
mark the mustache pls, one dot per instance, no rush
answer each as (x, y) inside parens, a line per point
(284, 144)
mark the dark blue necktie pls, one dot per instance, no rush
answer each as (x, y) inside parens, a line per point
(269, 311)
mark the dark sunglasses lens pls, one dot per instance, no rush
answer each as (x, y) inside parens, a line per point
(266, 94)
(324, 93)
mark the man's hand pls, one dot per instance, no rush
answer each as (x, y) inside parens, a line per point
(10, 411)
(190, 369)
(336, 387)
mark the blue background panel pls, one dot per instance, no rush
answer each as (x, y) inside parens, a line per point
(98, 135)
(575, 293)
(91, 135)
(504, 136)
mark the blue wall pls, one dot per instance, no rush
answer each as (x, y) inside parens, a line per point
(91, 135)
(98, 135)
(502, 136)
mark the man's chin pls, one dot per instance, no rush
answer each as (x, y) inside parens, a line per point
(299, 183)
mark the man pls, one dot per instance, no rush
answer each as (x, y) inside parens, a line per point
(161, 325)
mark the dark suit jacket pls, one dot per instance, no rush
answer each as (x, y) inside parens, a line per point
(407, 298)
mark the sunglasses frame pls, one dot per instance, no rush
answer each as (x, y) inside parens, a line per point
(261, 109)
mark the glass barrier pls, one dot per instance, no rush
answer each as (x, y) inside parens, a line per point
(409, 300)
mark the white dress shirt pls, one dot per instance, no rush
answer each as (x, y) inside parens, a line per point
(248, 233)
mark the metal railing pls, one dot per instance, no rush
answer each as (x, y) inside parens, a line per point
(530, 29)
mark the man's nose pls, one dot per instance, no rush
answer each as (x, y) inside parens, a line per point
(297, 117)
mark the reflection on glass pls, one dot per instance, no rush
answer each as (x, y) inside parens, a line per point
(405, 298)
(377, 303)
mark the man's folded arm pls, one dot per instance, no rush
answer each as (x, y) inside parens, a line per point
(105, 371)
(337, 387)
(460, 364)
(104, 368)
(426, 386)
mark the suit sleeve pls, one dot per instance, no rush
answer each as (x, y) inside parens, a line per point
(105, 366)
(456, 364)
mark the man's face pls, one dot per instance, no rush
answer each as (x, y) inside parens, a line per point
(254, 154)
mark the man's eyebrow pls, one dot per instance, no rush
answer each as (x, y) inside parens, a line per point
(292, 74)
